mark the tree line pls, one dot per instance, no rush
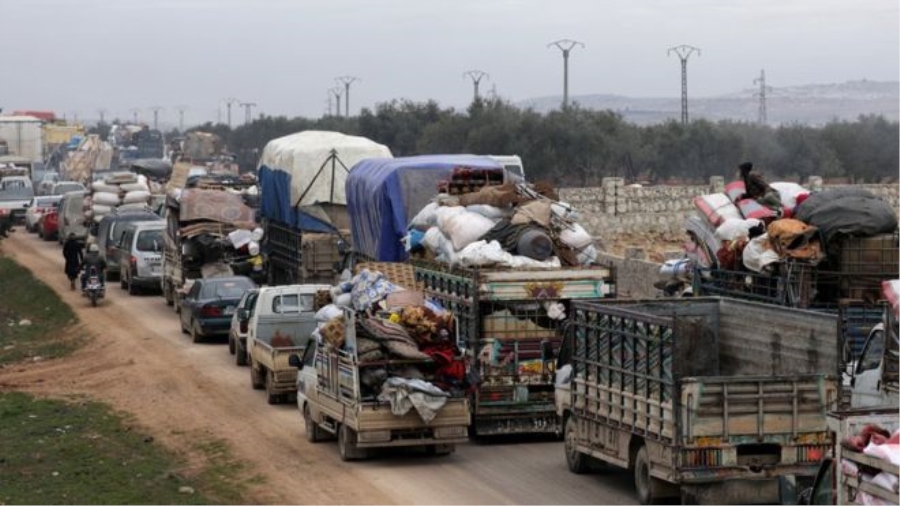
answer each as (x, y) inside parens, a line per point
(579, 147)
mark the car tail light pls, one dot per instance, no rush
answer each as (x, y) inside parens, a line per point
(209, 310)
(133, 262)
(4, 212)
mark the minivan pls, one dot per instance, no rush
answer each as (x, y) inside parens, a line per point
(140, 255)
(110, 231)
(71, 216)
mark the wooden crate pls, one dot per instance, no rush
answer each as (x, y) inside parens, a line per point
(401, 274)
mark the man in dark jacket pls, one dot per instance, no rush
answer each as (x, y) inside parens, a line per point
(73, 253)
(756, 188)
(92, 259)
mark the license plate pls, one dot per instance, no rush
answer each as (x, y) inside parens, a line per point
(229, 310)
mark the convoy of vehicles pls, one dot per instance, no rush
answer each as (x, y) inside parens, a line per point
(206, 310)
(109, 233)
(36, 208)
(140, 256)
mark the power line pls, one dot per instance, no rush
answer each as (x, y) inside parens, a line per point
(566, 46)
(247, 115)
(763, 119)
(347, 81)
(476, 76)
(684, 51)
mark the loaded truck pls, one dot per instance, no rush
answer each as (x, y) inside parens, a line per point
(335, 403)
(718, 400)
(303, 205)
(280, 323)
(24, 137)
(503, 319)
(874, 377)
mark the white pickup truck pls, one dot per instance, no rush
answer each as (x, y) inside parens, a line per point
(280, 324)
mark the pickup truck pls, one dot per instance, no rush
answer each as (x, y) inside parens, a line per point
(873, 377)
(718, 400)
(15, 194)
(282, 319)
(335, 403)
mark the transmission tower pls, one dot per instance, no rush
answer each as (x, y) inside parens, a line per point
(476, 76)
(566, 46)
(337, 92)
(763, 119)
(181, 109)
(134, 113)
(156, 110)
(228, 104)
(102, 113)
(683, 52)
(248, 117)
(346, 81)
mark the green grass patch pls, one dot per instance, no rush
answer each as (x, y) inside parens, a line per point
(34, 321)
(57, 452)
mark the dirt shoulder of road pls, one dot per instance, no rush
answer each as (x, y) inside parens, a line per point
(128, 366)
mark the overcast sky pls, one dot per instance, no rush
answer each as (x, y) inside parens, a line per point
(77, 56)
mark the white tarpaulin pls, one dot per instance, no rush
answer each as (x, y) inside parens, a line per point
(316, 176)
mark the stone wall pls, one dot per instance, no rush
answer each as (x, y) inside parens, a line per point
(615, 208)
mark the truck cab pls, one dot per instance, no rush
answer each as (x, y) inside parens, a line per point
(512, 165)
(873, 376)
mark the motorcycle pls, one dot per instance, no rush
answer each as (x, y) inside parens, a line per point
(94, 288)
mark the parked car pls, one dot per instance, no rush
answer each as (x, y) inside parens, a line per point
(36, 208)
(209, 305)
(48, 225)
(110, 231)
(240, 326)
(140, 254)
(64, 187)
(71, 216)
(45, 185)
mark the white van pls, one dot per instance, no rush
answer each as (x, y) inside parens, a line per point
(71, 216)
(512, 164)
(140, 255)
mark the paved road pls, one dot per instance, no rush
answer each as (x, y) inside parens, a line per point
(181, 391)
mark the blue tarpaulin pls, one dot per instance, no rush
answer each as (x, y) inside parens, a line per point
(384, 194)
(275, 185)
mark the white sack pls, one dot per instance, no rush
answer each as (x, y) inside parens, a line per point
(134, 197)
(100, 210)
(481, 253)
(135, 187)
(106, 199)
(139, 206)
(344, 300)
(464, 228)
(733, 228)
(489, 212)
(328, 312)
(444, 213)
(101, 187)
(576, 236)
(757, 256)
(257, 234)
(788, 192)
(588, 255)
(440, 245)
(426, 218)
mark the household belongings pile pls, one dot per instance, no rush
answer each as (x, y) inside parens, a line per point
(880, 473)
(215, 232)
(733, 233)
(481, 221)
(404, 346)
(118, 191)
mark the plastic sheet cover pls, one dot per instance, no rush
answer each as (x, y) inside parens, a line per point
(383, 195)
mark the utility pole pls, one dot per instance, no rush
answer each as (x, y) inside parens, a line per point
(156, 110)
(329, 102)
(346, 81)
(228, 103)
(134, 113)
(181, 109)
(337, 95)
(683, 52)
(476, 76)
(762, 96)
(566, 46)
(102, 113)
(247, 115)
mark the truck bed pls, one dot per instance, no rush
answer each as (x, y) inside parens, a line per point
(850, 422)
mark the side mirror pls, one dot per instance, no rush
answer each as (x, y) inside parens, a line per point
(294, 361)
(243, 315)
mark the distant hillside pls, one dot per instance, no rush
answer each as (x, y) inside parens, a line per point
(813, 104)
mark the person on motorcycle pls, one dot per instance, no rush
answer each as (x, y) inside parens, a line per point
(92, 259)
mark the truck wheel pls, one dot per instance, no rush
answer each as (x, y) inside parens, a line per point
(132, 290)
(440, 450)
(577, 461)
(272, 397)
(240, 356)
(231, 344)
(167, 294)
(643, 482)
(347, 444)
(257, 380)
(314, 433)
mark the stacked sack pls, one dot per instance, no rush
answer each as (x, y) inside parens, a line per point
(121, 190)
(509, 225)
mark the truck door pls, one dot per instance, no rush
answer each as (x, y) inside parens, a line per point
(865, 385)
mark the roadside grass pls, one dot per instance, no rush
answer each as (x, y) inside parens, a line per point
(34, 321)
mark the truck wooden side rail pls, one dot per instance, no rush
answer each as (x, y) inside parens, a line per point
(852, 487)
(509, 336)
(722, 401)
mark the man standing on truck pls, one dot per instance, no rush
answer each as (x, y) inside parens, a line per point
(73, 253)
(756, 188)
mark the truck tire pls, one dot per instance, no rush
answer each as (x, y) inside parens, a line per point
(647, 487)
(240, 355)
(257, 379)
(314, 433)
(167, 293)
(272, 397)
(347, 444)
(231, 349)
(577, 461)
(440, 450)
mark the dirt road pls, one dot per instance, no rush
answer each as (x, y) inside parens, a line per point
(141, 363)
